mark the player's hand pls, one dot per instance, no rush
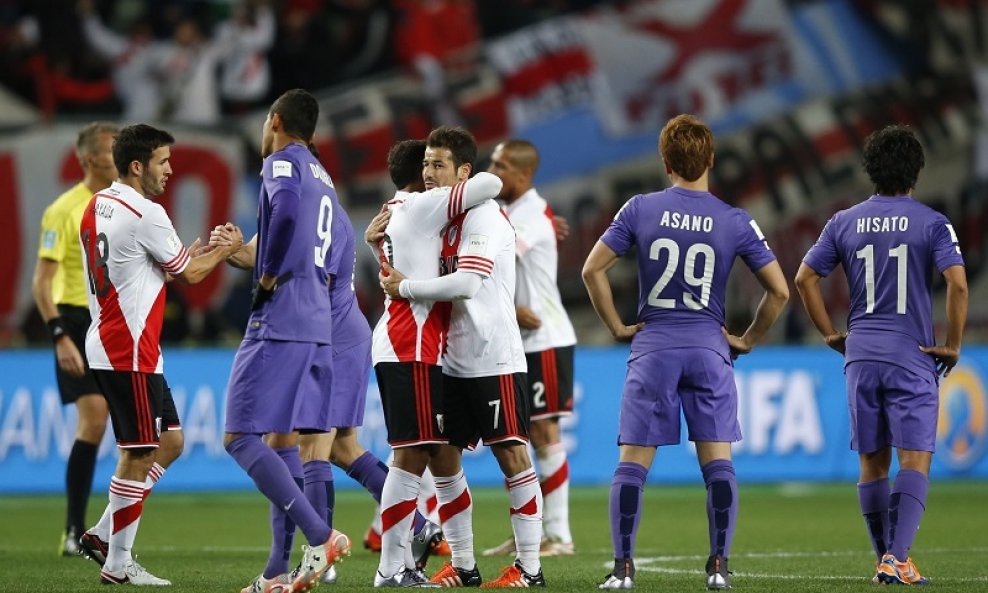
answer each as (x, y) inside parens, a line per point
(227, 235)
(837, 341)
(946, 357)
(69, 359)
(625, 333)
(562, 227)
(235, 236)
(527, 319)
(375, 230)
(198, 249)
(390, 280)
(739, 346)
(217, 235)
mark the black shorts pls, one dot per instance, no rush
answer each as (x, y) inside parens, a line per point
(412, 397)
(550, 382)
(141, 406)
(495, 409)
(76, 320)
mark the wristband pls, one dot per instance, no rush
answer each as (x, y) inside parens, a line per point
(56, 328)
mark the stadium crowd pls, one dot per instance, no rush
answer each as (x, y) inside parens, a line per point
(227, 56)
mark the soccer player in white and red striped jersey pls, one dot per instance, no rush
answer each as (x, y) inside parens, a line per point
(407, 349)
(546, 334)
(485, 389)
(130, 247)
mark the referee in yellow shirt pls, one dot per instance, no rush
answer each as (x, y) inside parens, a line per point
(60, 291)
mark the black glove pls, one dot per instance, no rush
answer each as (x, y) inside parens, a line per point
(259, 296)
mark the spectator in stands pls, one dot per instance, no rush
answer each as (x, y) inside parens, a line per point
(304, 41)
(437, 38)
(130, 56)
(361, 31)
(176, 80)
(244, 40)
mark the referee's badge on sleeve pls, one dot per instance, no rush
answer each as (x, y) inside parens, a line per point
(48, 241)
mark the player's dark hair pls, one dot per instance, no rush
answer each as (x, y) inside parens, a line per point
(299, 112)
(687, 146)
(405, 162)
(893, 158)
(136, 143)
(461, 144)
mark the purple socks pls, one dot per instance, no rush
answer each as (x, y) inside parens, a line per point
(319, 488)
(282, 527)
(722, 504)
(275, 481)
(906, 506)
(370, 472)
(874, 500)
(625, 507)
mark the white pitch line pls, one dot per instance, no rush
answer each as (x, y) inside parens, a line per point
(646, 564)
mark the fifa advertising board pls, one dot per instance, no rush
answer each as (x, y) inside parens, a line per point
(792, 408)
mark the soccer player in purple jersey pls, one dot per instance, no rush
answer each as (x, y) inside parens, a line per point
(351, 366)
(686, 240)
(276, 382)
(889, 246)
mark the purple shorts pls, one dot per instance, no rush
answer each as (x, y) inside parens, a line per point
(890, 405)
(661, 382)
(278, 386)
(351, 373)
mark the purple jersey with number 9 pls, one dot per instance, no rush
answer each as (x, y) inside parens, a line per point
(294, 181)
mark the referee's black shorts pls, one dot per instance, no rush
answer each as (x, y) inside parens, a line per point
(71, 388)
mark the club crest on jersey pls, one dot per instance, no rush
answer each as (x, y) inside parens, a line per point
(451, 235)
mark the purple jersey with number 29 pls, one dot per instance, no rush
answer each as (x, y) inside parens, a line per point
(687, 241)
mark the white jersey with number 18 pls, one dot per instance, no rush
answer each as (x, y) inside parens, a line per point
(128, 245)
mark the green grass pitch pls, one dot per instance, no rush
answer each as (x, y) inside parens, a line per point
(790, 538)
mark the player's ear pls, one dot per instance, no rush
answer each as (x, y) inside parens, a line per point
(463, 171)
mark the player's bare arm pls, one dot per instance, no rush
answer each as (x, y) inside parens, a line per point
(244, 257)
(601, 259)
(957, 296)
(808, 286)
(206, 261)
(68, 356)
(773, 302)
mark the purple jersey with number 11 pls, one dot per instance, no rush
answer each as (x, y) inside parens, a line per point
(687, 242)
(888, 247)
